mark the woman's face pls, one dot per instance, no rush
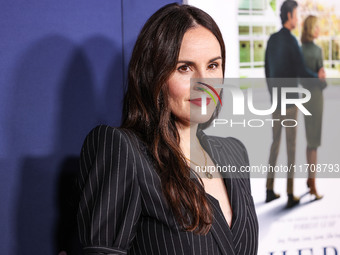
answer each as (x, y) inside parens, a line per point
(199, 57)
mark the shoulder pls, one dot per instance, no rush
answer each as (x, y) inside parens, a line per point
(104, 134)
(108, 151)
(275, 38)
(272, 38)
(237, 154)
(318, 49)
(232, 146)
(233, 143)
(231, 151)
(315, 47)
(238, 148)
(229, 141)
(281, 38)
(276, 34)
(312, 48)
(104, 141)
(294, 41)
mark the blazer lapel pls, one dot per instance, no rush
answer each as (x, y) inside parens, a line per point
(220, 229)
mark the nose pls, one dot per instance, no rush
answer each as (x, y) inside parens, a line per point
(198, 85)
(201, 73)
(197, 78)
(204, 76)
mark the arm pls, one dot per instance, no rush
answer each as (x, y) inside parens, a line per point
(321, 70)
(267, 66)
(320, 59)
(110, 203)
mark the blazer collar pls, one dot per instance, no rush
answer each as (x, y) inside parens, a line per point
(220, 229)
(206, 141)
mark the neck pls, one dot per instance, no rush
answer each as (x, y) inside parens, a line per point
(185, 133)
(287, 25)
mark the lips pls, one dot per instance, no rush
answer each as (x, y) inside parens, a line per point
(198, 101)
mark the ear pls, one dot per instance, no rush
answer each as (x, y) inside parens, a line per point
(289, 15)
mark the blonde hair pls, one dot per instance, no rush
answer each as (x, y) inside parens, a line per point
(308, 29)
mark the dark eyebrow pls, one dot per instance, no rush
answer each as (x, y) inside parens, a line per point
(212, 60)
(192, 63)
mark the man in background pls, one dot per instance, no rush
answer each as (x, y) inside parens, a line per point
(284, 60)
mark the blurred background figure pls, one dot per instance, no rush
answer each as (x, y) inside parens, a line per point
(313, 123)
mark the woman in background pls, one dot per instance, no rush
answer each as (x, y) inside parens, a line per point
(313, 123)
(139, 192)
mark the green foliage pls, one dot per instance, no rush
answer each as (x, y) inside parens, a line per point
(273, 5)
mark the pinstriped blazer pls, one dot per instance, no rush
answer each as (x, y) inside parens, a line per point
(122, 209)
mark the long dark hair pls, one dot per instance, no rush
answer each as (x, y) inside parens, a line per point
(146, 109)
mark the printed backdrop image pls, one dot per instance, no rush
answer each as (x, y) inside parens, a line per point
(312, 226)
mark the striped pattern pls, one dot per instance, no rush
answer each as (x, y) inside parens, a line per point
(122, 209)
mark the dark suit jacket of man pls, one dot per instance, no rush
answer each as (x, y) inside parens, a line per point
(122, 209)
(284, 59)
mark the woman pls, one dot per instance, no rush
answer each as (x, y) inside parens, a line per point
(313, 123)
(139, 192)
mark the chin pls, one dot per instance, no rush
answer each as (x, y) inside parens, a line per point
(197, 117)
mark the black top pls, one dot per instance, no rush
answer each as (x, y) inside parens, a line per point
(122, 209)
(284, 59)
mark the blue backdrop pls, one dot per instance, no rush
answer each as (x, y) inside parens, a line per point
(62, 68)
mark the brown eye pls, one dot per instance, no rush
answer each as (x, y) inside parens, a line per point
(184, 68)
(213, 66)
